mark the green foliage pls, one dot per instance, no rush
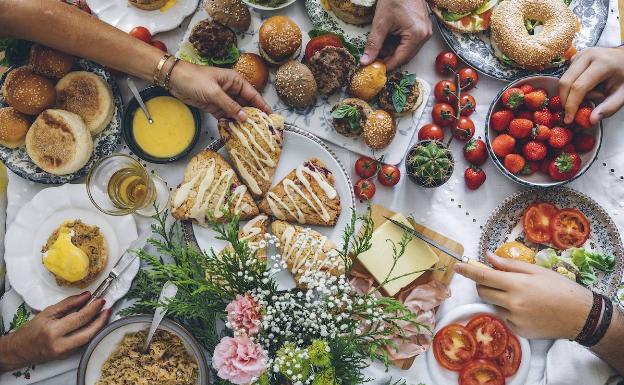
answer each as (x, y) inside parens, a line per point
(350, 113)
(228, 60)
(353, 50)
(352, 244)
(16, 51)
(318, 354)
(401, 91)
(20, 317)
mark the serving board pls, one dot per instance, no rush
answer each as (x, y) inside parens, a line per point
(378, 214)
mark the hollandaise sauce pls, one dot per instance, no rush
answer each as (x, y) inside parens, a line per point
(64, 259)
(168, 4)
(171, 132)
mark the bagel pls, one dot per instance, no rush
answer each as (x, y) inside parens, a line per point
(464, 16)
(550, 47)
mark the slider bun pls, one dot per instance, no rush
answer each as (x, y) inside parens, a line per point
(87, 95)
(457, 26)
(27, 92)
(458, 6)
(50, 62)
(13, 127)
(368, 81)
(59, 142)
(280, 39)
(231, 13)
(148, 5)
(352, 13)
(379, 130)
(253, 69)
(295, 84)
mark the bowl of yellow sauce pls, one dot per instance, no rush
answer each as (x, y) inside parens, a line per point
(172, 134)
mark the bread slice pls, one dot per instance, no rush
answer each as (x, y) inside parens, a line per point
(87, 95)
(59, 142)
(306, 251)
(254, 147)
(209, 186)
(306, 195)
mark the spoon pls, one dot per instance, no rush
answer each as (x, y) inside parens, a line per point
(137, 96)
(168, 291)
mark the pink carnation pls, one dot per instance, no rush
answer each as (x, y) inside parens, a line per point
(239, 360)
(244, 315)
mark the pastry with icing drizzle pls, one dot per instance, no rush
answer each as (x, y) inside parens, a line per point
(254, 232)
(254, 147)
(306, 195)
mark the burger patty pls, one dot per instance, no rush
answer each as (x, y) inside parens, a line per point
(332, 68)
(212, 39)
(385, 96)
(342, 125)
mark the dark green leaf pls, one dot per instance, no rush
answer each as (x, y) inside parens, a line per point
(20, 317)
(349, 112)
(15, 51)
(229, 59)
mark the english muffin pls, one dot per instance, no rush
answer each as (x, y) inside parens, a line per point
(28, 92)
(50, 62)
(13, 127)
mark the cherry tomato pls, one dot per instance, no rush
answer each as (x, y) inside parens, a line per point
(468, 105)
(490, 334)
(465, 129)
(159, 44)
(481, 372)
(536, 222)
(366, 167)
(454, 346)
(446, 63)
(445, 91)
(431, 132)
(468, 78)
(509, 361)
(141, 33)
(364, 189)
(389, 175)
(443, 114)
(318, 43)
(569, 228)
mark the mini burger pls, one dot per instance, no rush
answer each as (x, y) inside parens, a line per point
(349, 116)
(215, 43)
(402, 94)
(464, 16)
(280, 40)
(358, 12)
(332, 68)
(295, 85)
(253, 69)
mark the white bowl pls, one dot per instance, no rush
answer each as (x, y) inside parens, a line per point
(265, 8)
(551, 85)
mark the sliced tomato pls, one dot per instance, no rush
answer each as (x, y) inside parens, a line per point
(454, 346)
(318, 43)
(466, 21)
(549, 209)
(481, 372)
(569, 228)
(486, 19)
(537, 223)
(490, 334)
(509, 361)
(569, 53)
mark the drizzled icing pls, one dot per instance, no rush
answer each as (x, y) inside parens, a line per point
(210, 193)
(251, 228)
(302, 251)
(259, 159)
(291, 188)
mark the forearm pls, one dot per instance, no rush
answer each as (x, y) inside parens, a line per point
(66, 28)
(610, 348)
(9, 357)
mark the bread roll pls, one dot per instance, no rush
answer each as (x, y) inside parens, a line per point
(148, 5)
(87, 95)
(368, 81)
(231, 13)
(295, 85)
(379, 130)
(59, 142)
(279, 40)
(253, 69)
(50, 62)
(13, 127)
(28, 92)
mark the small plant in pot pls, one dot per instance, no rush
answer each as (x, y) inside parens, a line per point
(429, 163)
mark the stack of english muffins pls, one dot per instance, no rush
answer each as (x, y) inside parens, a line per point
(54, 111)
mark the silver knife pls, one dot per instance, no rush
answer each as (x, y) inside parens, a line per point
(436, 245)
(126, 260)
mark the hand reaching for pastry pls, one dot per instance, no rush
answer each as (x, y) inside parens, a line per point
(595, 73)
(54, 333)
(218, 91)
(406, 20)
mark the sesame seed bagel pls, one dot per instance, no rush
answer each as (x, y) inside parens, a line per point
(458, 6)
(510, 36)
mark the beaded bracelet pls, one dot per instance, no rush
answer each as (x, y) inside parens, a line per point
(604, 324)
(592, 320)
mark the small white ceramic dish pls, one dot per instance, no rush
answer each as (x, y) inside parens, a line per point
(462, 315)
(265, 8)
(34, 223)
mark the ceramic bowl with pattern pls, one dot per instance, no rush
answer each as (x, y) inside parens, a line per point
(261, 7)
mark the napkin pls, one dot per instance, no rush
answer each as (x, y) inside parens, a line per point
(570, 363)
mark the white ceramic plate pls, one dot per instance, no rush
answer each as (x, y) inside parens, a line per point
(264, 8)
(34, 223)
(125, 17)
(462, 315)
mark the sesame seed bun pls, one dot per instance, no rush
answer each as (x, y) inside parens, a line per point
(296, 85)
(231, 13)
(280, 40)
(50, 62)
(13, 127)
(379, 130)
(352, 13)
(148, 5)
(253, 69)
(28, 92)
(458, 6)
(368, 81)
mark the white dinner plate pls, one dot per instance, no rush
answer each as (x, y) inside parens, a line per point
(122, 15)
(462, 315)
(34, 223)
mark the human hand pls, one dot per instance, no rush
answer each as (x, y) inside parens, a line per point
(535, 301)
(218, 91)
(406, 19)
(594, 69)
(54, 333)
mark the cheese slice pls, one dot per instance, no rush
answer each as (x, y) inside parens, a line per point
(378, 260)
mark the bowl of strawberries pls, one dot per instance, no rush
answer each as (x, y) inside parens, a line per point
(528, 140)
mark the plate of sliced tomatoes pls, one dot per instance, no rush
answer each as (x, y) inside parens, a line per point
(561, 227)
(473, 346)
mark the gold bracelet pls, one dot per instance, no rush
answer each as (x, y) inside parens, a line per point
(159, 68)
(166, 84)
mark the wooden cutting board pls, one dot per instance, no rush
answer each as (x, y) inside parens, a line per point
(378, 213)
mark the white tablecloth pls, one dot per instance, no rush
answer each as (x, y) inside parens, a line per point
(451, 209)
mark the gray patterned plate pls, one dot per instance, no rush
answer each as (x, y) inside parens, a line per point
(326, 20)
(503, 226)
(18, 161)
(475, 49)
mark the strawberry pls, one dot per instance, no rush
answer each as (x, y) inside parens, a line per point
(534, 150)
(525, 114)
(554, 104)
(540, 133)
(475, 152)
(530, 168)
(503, 145)
(520, 128)
(474, 177)
(544, 164)
(536, 100)
(584, 143)
(564, 167)
(582, 117)
(514, 163)
(556, 118)
(559, 137)
(526, 88)
(512, 98)
(499, 121)
(543, 117)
